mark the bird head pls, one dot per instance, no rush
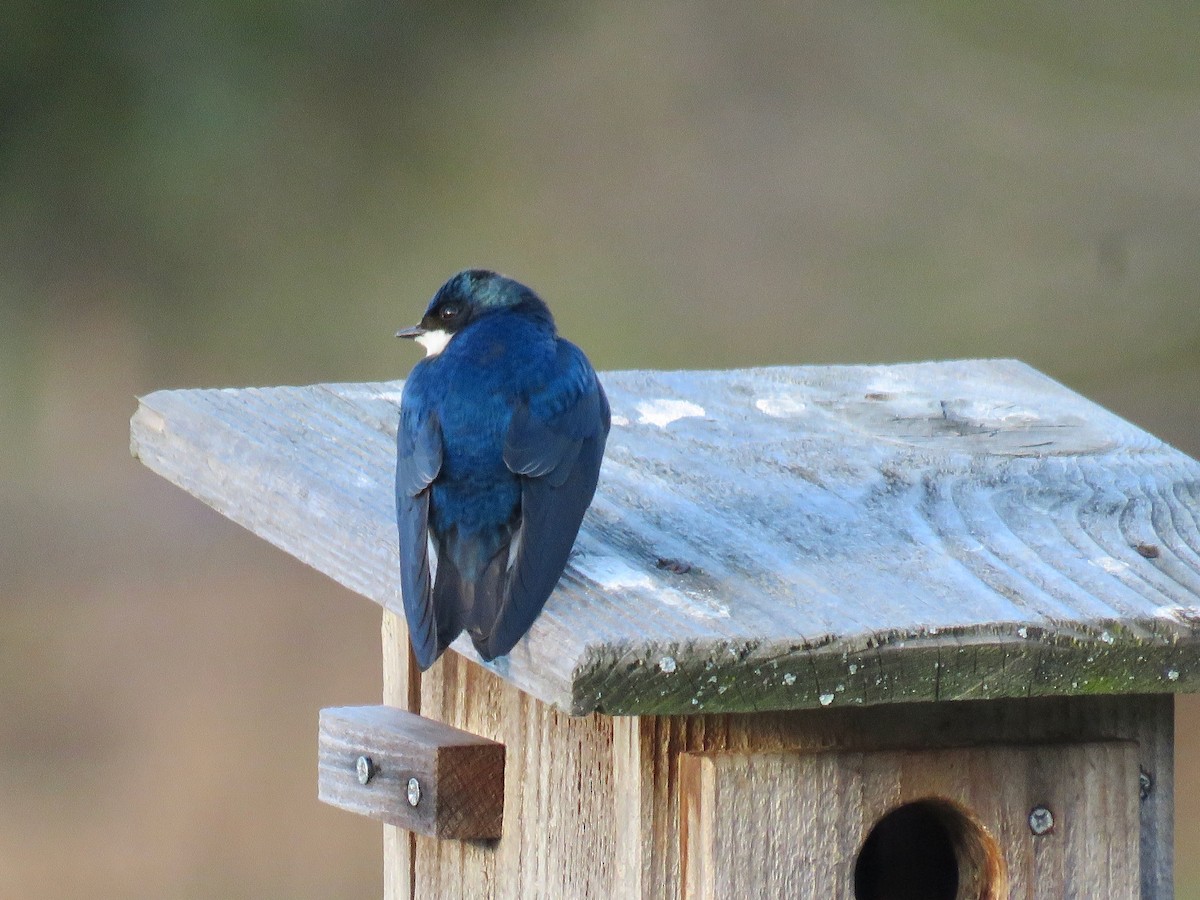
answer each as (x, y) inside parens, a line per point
(467, 297)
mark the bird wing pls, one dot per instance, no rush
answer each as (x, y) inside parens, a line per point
(418, 461)
(555, 442)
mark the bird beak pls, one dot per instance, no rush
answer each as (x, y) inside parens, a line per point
(415, 332)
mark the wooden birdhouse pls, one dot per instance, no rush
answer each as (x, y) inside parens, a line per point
(854, 632)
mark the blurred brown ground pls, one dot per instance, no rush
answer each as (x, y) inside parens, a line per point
(257, 194)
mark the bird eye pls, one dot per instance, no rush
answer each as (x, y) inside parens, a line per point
(448, 312)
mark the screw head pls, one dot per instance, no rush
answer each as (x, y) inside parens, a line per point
(414, 792)
(1041, 820)
(365, 769)
(1145, 783)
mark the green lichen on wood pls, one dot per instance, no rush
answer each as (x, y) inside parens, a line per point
(752, 676)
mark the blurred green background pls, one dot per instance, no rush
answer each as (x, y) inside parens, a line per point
(257, 192)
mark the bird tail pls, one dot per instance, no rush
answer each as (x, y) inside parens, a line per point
(451, 600)
(489, 595)
(466, 604)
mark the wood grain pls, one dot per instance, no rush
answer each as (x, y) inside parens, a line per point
(592, 804)
(652, 752)
(401, 689)
(776, 538)
(793, 824)
(459, 776)
(559, 795)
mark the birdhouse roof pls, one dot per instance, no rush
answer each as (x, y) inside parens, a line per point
(775, 538)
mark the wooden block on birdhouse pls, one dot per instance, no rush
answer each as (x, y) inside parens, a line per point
(410, 771)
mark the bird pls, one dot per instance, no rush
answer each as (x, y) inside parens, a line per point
(498, 451)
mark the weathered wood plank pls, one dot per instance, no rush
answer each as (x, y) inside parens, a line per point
(794, 824)
(777, 538)
(401, 689)
(655, 746)
(559, 795)
(420, 774)
(594, 802)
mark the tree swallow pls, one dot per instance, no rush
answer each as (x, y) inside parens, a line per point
(502, 429)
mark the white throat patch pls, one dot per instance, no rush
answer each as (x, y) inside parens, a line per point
(434, 342)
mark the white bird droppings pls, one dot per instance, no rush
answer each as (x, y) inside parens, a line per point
(614, 574)
(667, 664)
(1111, 564)
(663, 412)
(782, 407)
(826, 699)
